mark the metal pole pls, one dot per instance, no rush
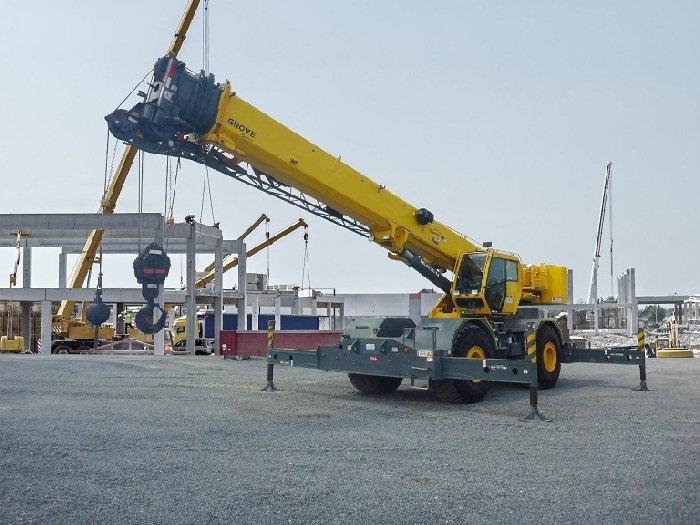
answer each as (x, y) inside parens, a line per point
(531, 349)
(270, 386)
(641, 346)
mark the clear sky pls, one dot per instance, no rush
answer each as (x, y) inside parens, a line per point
(499, 117)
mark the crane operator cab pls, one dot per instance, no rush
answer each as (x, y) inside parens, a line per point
(487, 282)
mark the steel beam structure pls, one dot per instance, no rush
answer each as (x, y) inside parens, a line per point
(124, 233)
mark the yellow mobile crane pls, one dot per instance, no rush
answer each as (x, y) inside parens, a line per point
(189, 115)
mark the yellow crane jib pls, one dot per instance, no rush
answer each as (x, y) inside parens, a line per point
(233, 262)
(258, 222)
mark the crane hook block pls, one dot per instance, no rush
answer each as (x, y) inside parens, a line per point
(148, 320)
(150, 269)
(152, 266)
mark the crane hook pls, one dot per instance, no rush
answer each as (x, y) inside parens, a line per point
(150, 269)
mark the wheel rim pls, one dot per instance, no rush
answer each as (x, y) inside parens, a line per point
(549, 357)
(476, 352)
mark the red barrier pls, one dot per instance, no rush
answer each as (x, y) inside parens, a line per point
(254, 342)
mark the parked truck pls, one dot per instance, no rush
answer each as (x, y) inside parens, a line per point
(482, 313)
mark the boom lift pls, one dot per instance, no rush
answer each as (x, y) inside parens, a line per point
(593, 286)
(189, 115)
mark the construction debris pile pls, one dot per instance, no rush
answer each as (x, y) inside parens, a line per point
(690, 340)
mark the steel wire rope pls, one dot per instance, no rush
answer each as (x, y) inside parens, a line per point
(169, 195)
(140, 194)
(206, 187)
(267, 250)
(135, 88)
(173, 189)
(168, 180)
(305, 269)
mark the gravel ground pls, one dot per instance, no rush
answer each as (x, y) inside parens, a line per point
(170, 440)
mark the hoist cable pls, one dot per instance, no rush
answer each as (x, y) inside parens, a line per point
(140, 193)
(211, 202)
(267, 236)
(104, 189)
(201, 208)
(173, 186)
(135, 88)
(305, 269)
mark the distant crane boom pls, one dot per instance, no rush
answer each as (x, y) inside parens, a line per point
(593, 288)
(255, 249)
(245, 234)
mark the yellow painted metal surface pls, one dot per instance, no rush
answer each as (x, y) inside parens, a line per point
(674, 352)
(249, 135)
(16, 344)
(253, 137)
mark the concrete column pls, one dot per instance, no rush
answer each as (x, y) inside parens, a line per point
(190, 305)
(243, 301)
(159, 337)
(278, 313)
(45, 327)
(27, 305)
(255, 311)
(219, 299)
(62, 270)
(634, 314)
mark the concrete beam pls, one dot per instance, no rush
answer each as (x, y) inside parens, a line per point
(109, 295)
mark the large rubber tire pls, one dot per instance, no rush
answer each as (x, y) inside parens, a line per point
(374, 385)
(84, 349)
(470, 342)
(62, 349)
(548, 357)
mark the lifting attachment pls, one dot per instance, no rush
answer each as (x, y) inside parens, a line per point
(150, 269)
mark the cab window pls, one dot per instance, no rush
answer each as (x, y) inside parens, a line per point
(496, 284)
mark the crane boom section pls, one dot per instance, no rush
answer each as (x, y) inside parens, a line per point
(252, 136)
